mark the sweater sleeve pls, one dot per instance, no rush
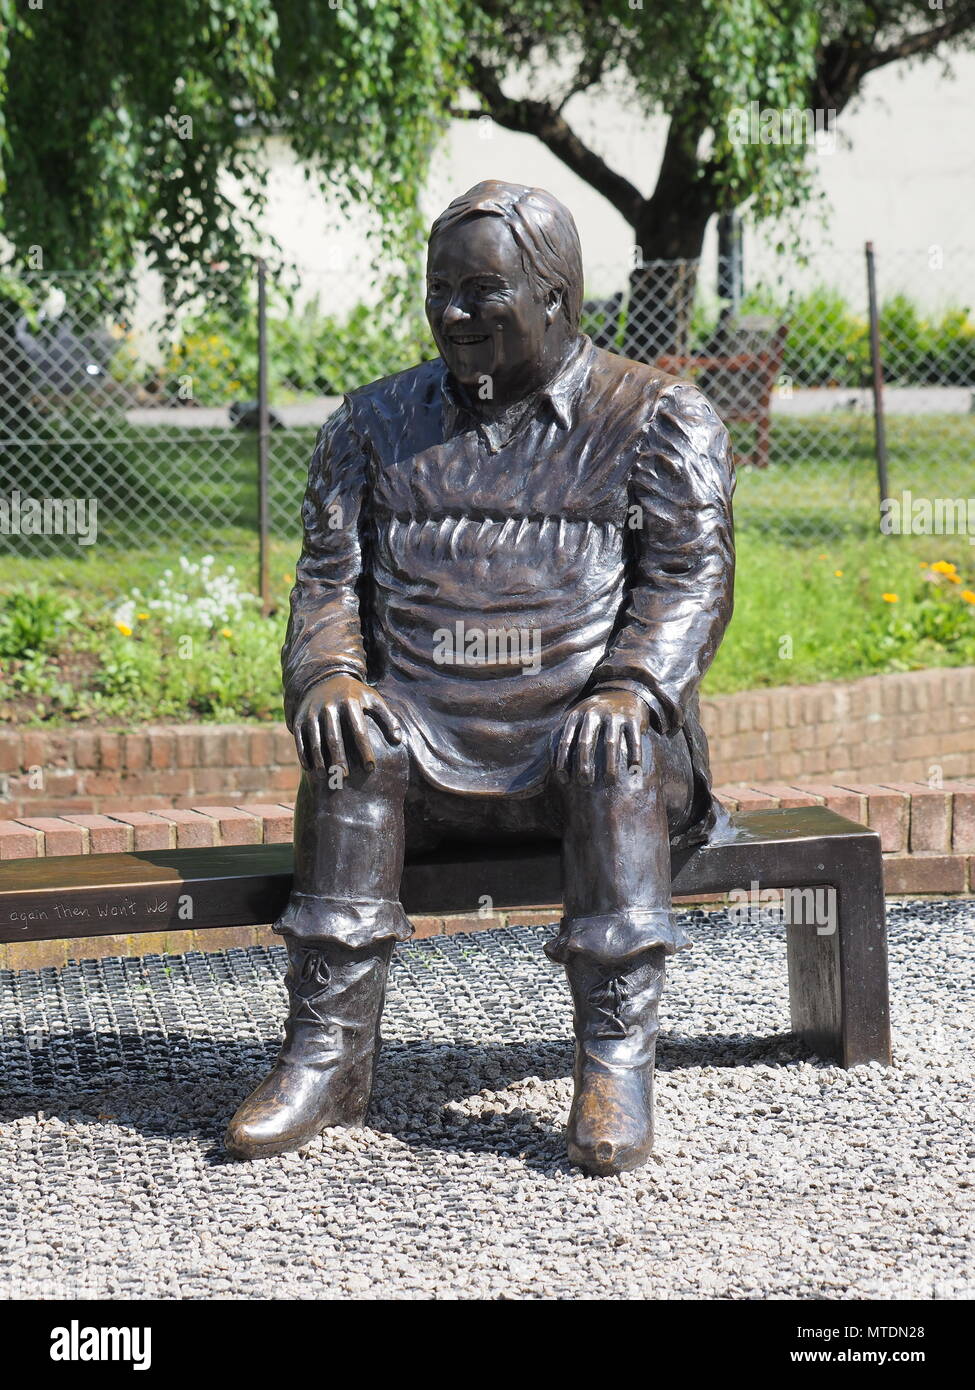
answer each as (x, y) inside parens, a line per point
(324, 631)
(682, 589)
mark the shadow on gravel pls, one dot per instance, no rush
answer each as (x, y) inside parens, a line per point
(176, 1085)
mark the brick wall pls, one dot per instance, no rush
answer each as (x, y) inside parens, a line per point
(86, 770)
(880, 729)
(876, 729)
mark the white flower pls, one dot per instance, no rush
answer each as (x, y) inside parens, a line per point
(210, 599)
(124, 615)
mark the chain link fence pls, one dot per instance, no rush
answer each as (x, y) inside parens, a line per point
(109, 413)
(103, 398)
(789, 368)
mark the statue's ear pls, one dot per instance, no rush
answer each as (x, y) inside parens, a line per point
(553, 304)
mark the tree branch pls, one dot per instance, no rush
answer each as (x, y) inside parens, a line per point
(590, 72)
(845, 62)
(926, 41)
(546, 123)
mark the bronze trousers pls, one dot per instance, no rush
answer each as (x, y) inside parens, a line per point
(351, 838)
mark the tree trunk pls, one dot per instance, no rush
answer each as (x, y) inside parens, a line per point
(670, 229)
(659, 309)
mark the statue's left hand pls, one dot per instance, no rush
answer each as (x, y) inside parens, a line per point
(617, 716)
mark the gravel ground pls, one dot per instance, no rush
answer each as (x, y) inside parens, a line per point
(775, 1175)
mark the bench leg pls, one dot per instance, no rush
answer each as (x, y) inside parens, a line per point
(838, 981)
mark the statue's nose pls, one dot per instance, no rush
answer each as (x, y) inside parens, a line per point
(454, 314)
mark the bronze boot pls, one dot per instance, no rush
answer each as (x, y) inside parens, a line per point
(615, 1020)
(324, 1072)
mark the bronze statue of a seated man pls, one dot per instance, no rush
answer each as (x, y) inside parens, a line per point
(518, 563)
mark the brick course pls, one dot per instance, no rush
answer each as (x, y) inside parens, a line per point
(881, 731)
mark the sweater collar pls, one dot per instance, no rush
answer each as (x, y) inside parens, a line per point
(559, 394)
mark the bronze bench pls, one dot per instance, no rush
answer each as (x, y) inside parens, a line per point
(837, 978)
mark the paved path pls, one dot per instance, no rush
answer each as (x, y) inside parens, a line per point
(898, 400)
(775, 1175)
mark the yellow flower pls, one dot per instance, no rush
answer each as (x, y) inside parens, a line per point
(890, 598)
(226, 632)
(143, 617)
(823, 557)
(954, 579)
(923, 564)
(943, 567)
(288, 578)
(968, 595)
(124, 629)
(838, 573)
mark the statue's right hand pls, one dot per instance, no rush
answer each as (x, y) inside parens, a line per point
(332, 711)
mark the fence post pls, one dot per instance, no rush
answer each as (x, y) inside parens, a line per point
(730, 264)
(879, 433)
(263, 438)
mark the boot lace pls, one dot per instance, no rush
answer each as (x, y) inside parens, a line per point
(309, 986)
(608, 999)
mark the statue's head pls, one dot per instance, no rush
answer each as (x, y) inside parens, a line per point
(504, 287)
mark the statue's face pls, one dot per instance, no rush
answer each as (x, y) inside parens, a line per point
(488, 320)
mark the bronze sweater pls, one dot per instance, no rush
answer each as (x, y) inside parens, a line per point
(592, 548)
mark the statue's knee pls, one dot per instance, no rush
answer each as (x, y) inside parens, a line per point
(630, 769)
(627, 778)
(653, 757)
(390, 759)
(388, 773)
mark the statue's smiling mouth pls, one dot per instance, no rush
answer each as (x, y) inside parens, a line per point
(467, 339)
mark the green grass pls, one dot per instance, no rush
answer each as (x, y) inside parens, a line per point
(811, 513)
(805, 614)
(796, 621)
(821, 484)
(192, 490)
(98, 577)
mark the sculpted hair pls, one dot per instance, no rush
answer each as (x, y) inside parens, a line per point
(544, 231)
